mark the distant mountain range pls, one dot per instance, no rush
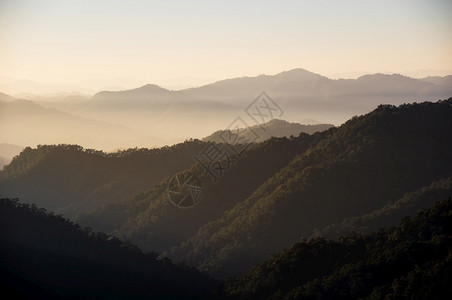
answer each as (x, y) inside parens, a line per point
(438, 80)
(300, 93)
(303, 93)
(260, 133)
(154, 116)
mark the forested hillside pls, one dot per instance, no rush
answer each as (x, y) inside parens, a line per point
(44, 256)
(365, 164)
(281, 190)
(411, 261)
(69, 179)
(152, 222)
(390, 214)
(273, 128)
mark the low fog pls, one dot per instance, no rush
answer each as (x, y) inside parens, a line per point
(151, 116)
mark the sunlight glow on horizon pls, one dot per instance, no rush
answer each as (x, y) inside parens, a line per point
(204, 41)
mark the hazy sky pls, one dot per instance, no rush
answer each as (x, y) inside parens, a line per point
(70, 41)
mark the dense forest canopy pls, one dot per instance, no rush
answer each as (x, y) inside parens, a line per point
(50, 257)
(43, 255)
(69, 179)
(368, 162)
(410, 261)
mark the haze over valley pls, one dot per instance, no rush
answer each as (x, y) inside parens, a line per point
(151, 116)
(226, 150)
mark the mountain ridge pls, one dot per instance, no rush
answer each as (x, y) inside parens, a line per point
(302, 96)
(390, 214)
(283, 207)
(70, 179)
(262, 132)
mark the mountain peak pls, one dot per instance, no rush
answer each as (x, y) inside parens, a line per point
(277, 121)
(380, 76)
(151, 87)
(298, 71)
(145, 89)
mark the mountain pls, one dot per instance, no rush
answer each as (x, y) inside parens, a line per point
(282, 189)
(152, 99)
(306, 95)
(294, 82)
(69, 179)
(151, 221)
(410, 261)
(390, 214)
(438, 80)
(44, 256)
(275, 193)
(395, 85)
(302, 96)
(266, 198)
(152, 110)
(147, 96)
(366, 163)
(273, 128)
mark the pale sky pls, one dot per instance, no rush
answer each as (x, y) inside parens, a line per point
(180, 41)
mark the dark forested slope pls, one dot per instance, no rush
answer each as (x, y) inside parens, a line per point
(152, 222)
(273, 128)
(43, 256)
(69, 179)
(390, 214)
(411, 261)
(365, 164)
